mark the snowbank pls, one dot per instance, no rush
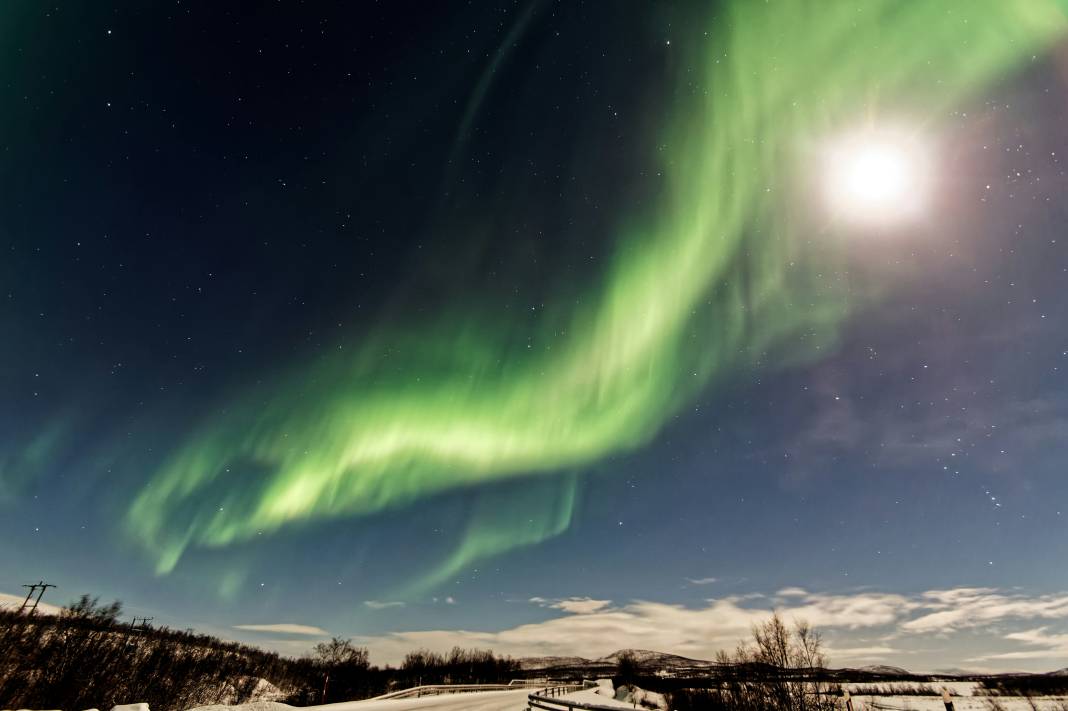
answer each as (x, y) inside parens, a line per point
(625, 697)
(605, 688)
(251, 706)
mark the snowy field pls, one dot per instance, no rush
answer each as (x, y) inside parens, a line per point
(955, 688)
(964, 694)
(965, 703)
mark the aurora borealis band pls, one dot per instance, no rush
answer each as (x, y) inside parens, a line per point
(717, 273)
(383, 318)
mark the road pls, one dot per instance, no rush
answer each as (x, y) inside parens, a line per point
(479, 701)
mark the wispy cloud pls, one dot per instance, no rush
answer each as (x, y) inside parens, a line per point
(1048, 646)
(594, 628)
(963, 608)
(574, 605)
(285, 628)
(701, 581)
(380, 605)
(907, 437)
(862, 653)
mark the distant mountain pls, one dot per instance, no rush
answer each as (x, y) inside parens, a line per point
(655, 659)
(644, 657)
(955, 671)
(535, 663)
(885, 670)
(1059, 672)
(669, 664)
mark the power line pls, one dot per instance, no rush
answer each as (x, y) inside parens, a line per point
(39, 588)
(144, 622)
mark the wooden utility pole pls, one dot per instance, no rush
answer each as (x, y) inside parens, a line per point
(39, 588)
(144, 622)
(33, 589)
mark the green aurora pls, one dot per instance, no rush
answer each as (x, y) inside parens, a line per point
(721, 274)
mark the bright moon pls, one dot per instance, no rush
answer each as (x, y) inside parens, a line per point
(877, 179)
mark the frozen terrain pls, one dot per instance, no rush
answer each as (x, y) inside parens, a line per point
(966, 696)
(477, 701)
(967, 703)
(603, 696)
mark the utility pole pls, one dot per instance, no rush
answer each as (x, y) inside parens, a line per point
(33, 589)
(144, 622)
(39, 588)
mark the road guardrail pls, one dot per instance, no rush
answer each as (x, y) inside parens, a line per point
(552, 700)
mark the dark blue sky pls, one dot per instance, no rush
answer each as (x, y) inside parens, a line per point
(194, 200)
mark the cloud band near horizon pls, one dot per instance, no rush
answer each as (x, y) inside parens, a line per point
(924, 631)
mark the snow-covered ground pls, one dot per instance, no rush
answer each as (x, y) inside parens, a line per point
(963, 703)
(250, 706)
(605, 696)
(955, 688)
(477, 701)
(966, 696)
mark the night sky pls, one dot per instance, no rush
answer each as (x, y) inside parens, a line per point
(540, 325)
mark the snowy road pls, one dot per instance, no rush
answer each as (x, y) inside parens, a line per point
(480, 701)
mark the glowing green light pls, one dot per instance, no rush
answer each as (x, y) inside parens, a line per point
(716, 277)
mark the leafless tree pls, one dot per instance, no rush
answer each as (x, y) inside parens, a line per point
(779, 671)
(338, 652)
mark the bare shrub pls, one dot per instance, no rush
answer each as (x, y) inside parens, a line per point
(782, 670)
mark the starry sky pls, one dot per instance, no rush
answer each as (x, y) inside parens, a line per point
(528, 325)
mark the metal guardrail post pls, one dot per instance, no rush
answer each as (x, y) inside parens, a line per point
(544, 701)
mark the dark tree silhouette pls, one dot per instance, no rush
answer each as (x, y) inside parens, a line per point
(343, 667)
(90, 608)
